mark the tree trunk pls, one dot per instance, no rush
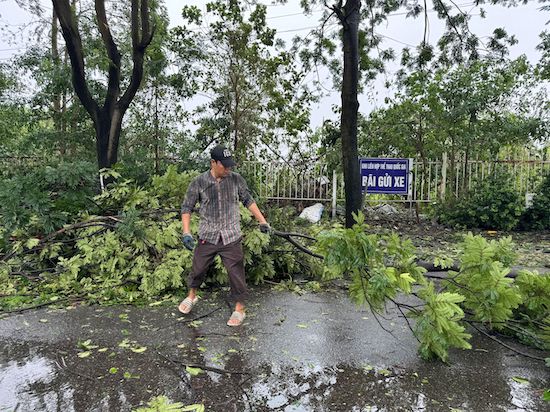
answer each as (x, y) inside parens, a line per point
(350, 19)
(108, 129)
(157, 132)
(56, 98)
(452, 169)
(107, 118)
(466, 174)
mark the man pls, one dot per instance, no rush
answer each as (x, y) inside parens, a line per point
(218, 191)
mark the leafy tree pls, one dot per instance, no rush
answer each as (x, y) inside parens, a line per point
(155, 130)
(363, 58)
(481, 108)
(14, 124)
(411, 126)
(349, 17)
(62, 127)
(107, 118)
(254, 99)
(472, 111)
(56, 122)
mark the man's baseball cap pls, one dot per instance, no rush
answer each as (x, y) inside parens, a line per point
(223, 154)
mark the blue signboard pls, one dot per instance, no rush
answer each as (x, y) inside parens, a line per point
(386, 176)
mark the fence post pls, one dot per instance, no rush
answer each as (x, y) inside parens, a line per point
(334, 192)
(443, 177)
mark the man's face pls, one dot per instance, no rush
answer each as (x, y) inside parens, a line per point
(219, 169)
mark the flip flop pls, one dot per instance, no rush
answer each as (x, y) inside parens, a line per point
(187, 304)
(238, 317)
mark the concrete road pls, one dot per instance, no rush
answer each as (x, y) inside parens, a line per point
(311, 352)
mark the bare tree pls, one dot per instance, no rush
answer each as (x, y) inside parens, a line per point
(107, 118)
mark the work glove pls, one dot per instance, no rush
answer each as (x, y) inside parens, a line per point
(188, 241)
(265, 228)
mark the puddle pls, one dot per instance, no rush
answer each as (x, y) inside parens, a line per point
(20, 378)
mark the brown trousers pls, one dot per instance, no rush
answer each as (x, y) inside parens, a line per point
(233, 259)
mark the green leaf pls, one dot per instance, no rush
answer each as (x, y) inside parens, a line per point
(128, 375)
(138, 349)
(194, 408)
(84, 354)
(162, 403)
(193, 371)
(32, 243)
(124, 344)
(87, 345)
(546, 395)
(523, 381)
(113, 370)
(195, 323)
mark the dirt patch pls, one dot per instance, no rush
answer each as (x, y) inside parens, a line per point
(432, 239)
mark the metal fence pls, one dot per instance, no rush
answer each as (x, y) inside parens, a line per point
(315, 181)
(434, 180)
(431, 180)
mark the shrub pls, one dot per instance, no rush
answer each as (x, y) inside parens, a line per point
(538, 215)
(493, 203)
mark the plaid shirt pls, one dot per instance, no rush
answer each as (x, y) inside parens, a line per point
(219, 205)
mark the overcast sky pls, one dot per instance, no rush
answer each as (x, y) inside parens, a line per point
(525, 22)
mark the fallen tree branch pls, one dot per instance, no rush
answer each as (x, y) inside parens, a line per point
(39, 305)
(455, 267)
(504, 344)
(288, 237)
(183, 376)
(411, 308)
(202, 316)
(204, 367)
(192, 320)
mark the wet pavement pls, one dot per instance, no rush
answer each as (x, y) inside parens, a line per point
(311, 352)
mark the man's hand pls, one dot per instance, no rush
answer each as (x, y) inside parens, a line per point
(265, 228)
(188, 241)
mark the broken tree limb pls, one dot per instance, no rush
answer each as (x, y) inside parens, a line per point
(455, 267)
(527, 355)
(204, 367)
(288, 236)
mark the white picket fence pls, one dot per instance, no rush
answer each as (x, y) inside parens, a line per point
(431, 179)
